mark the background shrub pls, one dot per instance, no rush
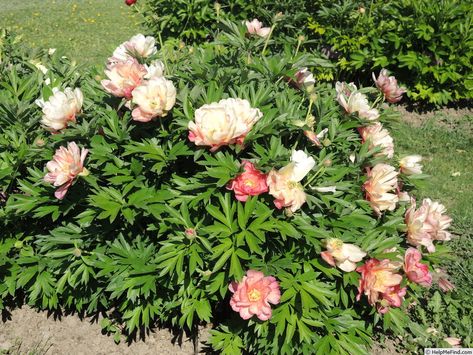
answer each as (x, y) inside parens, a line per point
(427, 46)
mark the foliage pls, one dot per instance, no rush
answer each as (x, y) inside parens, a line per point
(196, 20)
(427, 45)
(117, 243)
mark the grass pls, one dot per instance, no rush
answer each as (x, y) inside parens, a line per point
(86, 30)
(445, 140)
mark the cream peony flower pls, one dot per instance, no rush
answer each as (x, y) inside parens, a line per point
(284, 184)
(381, 180)
(67, 163)
(287, 193)
(299, 166)
(255, 27)
(377, 136)
(60, 108)
(343, 255)
(137, 46)
(124, 77)
(154, 99)
(410, 165)
(155, 69)
(353, 101)
(222, 123)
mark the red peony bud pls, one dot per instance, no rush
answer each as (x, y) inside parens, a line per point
(130, 2)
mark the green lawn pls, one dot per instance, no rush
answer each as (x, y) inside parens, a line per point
(445, 140)
(86, 30)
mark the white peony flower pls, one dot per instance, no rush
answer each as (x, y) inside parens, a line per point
(137, 46)
(354, 101)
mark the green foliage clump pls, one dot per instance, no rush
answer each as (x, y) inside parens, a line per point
(427, 45)
(153, 234)
(196, 20)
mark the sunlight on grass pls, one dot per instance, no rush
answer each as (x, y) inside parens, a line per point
(84, 30)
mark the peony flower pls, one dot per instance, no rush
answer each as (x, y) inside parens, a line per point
(251, 182)
(380, 283)
(304, 78)
(60, 108)
(67, 163)
(393, 297)
(253, 295)
(137, 46)
(123, 78)
(382, 179)
(441, 277)
(388, 86)
(343, 255)
(130, 2)
(426, 224)
(410, 165)
(154, 70)
(353, 101)
(284, 184)
(377, 136)
(416, 271)
(255, 27)
(223, 123)
(403, 196)
(315, 138)
(154, 98)
(454, 342)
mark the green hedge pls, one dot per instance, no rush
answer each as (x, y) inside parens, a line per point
(427, 45)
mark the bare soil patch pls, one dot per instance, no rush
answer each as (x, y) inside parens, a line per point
(32, 332)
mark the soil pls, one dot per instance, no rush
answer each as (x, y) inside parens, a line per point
(30, 332)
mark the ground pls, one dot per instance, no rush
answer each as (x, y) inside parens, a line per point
(89, 31)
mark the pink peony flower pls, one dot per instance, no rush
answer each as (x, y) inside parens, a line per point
(222, 123)
(377, 136)
(130, 2)
(124, 77)
(393, 297)
(426, 224)
(415, 270)
(380, 283)
(382, 179)
(315, 138)
(255, 27)
(354, 101)
(67, 163)
(343, 255)
(251, 182)
(155, 98)
(61, 108)
(253, 295)
(388, 86)
(409, 165)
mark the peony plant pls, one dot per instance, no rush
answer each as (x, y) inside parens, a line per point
(199, 185)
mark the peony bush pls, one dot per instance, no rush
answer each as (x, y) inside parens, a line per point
(217, 185)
